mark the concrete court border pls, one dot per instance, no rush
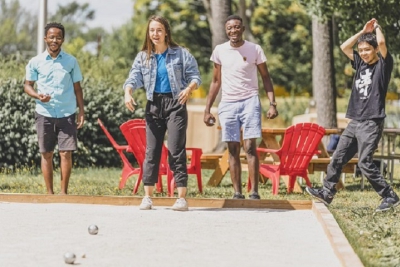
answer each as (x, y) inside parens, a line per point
(336, 237)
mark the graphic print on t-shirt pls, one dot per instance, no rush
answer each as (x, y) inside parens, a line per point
(363, 84)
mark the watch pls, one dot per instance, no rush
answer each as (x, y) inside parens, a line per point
(273, 104)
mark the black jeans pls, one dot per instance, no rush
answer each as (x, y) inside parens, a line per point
(360, 137)
(162, 114)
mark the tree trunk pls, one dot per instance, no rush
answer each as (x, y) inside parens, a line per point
(323, 79)
(217, 12)
(246, 13)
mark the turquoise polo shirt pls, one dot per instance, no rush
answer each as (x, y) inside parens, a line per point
(55, 77)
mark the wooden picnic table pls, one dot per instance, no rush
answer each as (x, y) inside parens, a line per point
(388, 151)
(271, 138)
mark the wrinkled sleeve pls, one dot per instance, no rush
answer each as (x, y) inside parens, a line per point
(31, 73)
(76, 73)
(261, 58)
(192, 73)
(135, 78)
(215, 55)
(356, 62)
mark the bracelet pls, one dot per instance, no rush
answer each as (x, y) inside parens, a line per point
(377, 26)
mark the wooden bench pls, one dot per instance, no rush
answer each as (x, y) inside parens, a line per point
(212, 160)
(320, 164)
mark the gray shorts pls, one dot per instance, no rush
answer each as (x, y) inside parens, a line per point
(52, 131)
(244, 114)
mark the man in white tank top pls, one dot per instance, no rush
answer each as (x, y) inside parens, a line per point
(235, 71)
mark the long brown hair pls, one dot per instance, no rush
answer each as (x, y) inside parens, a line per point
(148, 44)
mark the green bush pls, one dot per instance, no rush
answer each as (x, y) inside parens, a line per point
(18, 139)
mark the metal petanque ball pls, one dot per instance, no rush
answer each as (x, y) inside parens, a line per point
(93, 229)
(69, 258)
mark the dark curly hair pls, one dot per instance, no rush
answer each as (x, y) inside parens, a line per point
(54, 25)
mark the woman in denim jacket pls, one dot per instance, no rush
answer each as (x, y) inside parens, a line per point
(168, 73)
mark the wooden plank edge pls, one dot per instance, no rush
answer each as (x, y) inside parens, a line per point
(159, 201)
(337, 239)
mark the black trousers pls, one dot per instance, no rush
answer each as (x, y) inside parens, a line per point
(360, 137)
(165, 114)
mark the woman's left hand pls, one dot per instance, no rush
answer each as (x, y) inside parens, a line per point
(184, 96)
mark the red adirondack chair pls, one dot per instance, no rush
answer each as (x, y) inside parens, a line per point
(194, 167)
(135, 134)
(300, 143)
(127, 169)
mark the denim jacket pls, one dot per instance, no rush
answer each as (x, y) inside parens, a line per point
(181, 67)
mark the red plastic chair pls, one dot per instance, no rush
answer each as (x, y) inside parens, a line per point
(300, 143)
(135, 134)
(127, 169)
(194, 167)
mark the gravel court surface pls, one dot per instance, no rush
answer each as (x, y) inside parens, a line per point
(40, 234)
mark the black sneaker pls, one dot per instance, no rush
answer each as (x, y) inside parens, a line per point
(254, 195)
(391, 201)
(238, 195)
(320, 194)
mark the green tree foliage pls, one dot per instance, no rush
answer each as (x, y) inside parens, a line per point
(18, 139)
(17, 28)
(283, 29)
(351, 16)
(74, 17)
(122, 45)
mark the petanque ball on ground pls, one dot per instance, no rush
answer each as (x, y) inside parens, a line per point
(69, 258)
(93, 229)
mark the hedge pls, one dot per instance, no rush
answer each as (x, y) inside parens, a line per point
(18, 139)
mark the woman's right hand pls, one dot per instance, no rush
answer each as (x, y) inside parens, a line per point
(129, 101)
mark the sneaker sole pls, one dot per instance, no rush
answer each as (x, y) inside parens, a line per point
(394, 206)
(320, 199)
(181, 209)
(146, 208)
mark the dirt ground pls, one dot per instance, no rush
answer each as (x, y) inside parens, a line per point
(40, 234)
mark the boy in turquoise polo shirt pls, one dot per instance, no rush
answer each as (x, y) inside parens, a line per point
(57, 96)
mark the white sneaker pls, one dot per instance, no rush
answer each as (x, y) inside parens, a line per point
(146, 204)
(180, 205)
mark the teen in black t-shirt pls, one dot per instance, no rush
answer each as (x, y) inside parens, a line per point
(367, 100)
(373, 65)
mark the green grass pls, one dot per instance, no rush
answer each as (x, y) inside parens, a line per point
(374, 236)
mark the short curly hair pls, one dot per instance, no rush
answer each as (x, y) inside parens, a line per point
(233, 17)
(54, 25)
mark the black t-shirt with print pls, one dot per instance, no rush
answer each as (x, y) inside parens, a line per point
(367, 100)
